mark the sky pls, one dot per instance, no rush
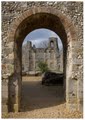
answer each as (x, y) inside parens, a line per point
(41, 35)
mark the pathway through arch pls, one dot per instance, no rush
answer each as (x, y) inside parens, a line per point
(38, 96)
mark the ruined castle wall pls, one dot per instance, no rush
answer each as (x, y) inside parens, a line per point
(32, 56)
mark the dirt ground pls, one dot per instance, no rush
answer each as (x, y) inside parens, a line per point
(39, 101)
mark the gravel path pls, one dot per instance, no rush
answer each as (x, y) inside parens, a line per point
(40, 101)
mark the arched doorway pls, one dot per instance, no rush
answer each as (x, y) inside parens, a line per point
(41, 47)
(31, 20)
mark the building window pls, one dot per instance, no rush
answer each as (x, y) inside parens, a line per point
(52, 44)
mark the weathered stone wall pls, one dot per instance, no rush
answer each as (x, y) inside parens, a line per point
(49, 55)
(12, 10)
(74, 72)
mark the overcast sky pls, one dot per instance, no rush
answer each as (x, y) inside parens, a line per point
(39, 35)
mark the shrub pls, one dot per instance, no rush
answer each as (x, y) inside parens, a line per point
(43, 67)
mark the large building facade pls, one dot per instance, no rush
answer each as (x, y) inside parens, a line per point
(32, 56)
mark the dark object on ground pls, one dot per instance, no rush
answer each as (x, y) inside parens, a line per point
(51, 78)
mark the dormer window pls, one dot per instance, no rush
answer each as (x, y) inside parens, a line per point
(52, 44)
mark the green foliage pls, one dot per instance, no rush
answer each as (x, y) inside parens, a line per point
(43, 67)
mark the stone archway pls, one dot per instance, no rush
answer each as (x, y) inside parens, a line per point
(54, 20)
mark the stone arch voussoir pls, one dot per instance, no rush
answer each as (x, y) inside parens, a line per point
(64, 19)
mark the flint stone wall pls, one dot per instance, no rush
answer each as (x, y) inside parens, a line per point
(74, 11)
